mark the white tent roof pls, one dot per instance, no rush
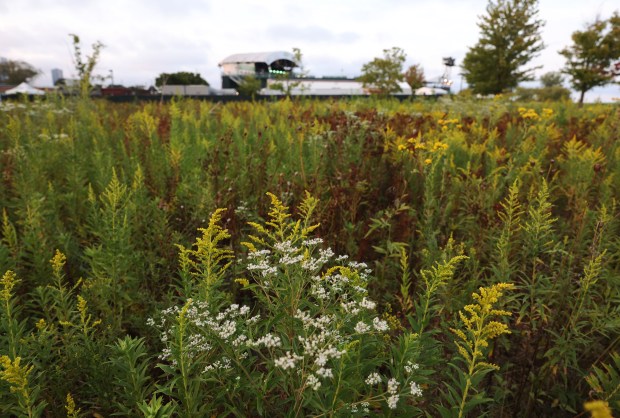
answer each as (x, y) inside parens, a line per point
(266, 57)
(24, 88)
(429, 91)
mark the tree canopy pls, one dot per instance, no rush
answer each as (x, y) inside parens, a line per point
(590, 59)
(181, 78)
(16, 72)
(382, 75)
(510, 38)
(551, 79)
(249, 86)
(414, 76)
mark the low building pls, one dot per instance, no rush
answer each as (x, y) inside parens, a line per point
(261, 65)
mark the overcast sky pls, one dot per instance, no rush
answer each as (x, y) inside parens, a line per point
(146, 37)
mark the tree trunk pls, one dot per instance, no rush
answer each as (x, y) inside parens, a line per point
(581, 95)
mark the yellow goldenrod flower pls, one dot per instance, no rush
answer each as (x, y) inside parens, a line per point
(598, 409)
(14, 374)
(70, 407)
(473, 339)
(58, 262)
(9, 280)
(243, 282)
(428, 161)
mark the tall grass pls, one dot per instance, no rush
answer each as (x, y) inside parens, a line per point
(141, 208)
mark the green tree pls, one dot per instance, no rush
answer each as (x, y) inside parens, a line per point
(249, 86)
(414, 76)
(510, 38)
(551, 79)
(181, 78)
(590, 59)
(550, 90)
(382, 75)
(16, 72)
(85, 67)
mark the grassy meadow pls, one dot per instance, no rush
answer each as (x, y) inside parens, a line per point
(309, 258)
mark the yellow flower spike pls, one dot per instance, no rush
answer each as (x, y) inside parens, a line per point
(58, 262)
(9, 280)
(70, 407)
(477, 330)
(428, 161)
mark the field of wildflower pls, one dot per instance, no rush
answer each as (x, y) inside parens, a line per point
(305, 258)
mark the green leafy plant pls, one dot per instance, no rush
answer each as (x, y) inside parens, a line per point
(313, 343)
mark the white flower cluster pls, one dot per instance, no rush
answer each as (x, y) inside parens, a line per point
(373, 379)
(410, 367)
(393, 391)
(365, 408)
(197, 343)
(319, 291)
(288, 361)
(393, 401)
(350, 307)
(288, 260)
(201, 327)
(263, 267)
(223, 364)
(313, 264)
(312, 242)
(380, 325)
(361, 327)
(368, 304)
(320, 322)
(324, 372)
(258, 254)
(285, 247)
(313, 382)
(416, 390)
(327, 353)
(268, 340)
